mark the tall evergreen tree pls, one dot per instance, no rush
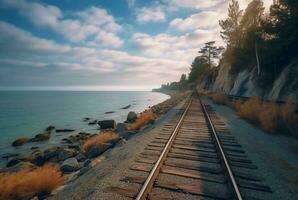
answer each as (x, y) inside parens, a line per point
(210, 52)
(230, 27)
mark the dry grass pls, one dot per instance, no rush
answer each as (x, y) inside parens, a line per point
(145, 118)
(99, 139)
(29, 181)
(203, 92)
(270, 116)
(251, 109)
(220, 99)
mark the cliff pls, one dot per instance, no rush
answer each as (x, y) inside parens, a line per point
(246, 83)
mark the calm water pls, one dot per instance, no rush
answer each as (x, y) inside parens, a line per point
(26, 113)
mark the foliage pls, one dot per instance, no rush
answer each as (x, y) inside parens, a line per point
(99, 139)
(145, 118)
(21, 184)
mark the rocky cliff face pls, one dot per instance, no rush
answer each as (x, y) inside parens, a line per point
(245, 83)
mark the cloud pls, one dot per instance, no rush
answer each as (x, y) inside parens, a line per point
(131, 3)
(22, 53)
(80, 26)
(203, 20)
(169, 46)
(151, 14)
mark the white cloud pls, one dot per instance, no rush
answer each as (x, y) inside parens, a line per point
(152, 14)
(22, 49)
(82, 26)
(165, 45)
(131, 3)
(203, 20)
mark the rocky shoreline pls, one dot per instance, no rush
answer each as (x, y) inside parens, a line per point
(69, 154)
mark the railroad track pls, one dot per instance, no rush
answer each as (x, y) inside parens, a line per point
(193, 157)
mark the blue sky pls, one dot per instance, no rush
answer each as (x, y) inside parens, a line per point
(111, 44)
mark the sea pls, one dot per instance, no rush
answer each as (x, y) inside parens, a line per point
(27, 113)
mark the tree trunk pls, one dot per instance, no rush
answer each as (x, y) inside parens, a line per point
(257, 58)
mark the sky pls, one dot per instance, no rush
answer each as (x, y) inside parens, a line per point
(105, 44)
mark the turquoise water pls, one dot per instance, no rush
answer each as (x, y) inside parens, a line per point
(26, 113)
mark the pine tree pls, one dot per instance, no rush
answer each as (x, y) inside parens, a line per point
(230, 27)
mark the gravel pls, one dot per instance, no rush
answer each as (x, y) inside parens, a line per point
(275, 155)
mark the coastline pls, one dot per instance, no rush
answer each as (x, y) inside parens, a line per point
(71, 146)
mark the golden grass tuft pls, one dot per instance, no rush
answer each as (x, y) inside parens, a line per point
(99, 139)
(145, 118)
(220, 99)
(19, 185)
(203, 92)
(270, 116)
(251, 109)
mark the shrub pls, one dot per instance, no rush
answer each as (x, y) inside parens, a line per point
(221, 99)
(19, 185)
(145, 118)
(270, 117)
(236, 105)
(99, 139)
(251, 109)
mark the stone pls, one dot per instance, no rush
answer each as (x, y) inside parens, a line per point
(86, 119)
(41, 137)
(126, 107)
(20, 141)
(81, 157)
(109, 112)
(121, 129)
(37, 158)
(50, 128)
(98, 150)
(83, 170)
(51, 152)
(92, 122)
(131, 117)
(66, 153)
(87, 162)
(64, 130)
(70, 165)
(12, 162)
(107, 124)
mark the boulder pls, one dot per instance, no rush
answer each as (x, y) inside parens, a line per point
(126, 107)
(64, 130)
(98, 150)
(12, 162)
(70, 165)
(131, 117)
(109, 112)
(66, 153)
(37, 158)
(121, 128)
(50, 128)
(86, 119)
(87, 162)
(107, 124)
(81, 157)
(41, 137)
(83, 170)
(92, 122)
(20, 141)
(51, 153)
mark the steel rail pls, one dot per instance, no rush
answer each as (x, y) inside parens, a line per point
(231, 176)
(147, 186)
